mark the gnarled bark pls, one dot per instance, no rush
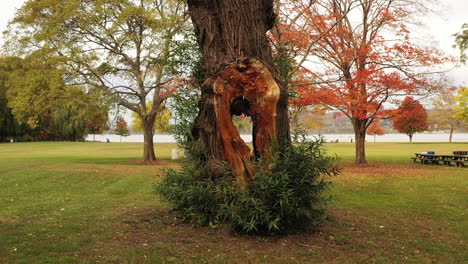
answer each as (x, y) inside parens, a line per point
(241, 79)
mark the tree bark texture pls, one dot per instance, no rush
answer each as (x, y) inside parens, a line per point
(240, 79)
(359, 126)
(148, 133)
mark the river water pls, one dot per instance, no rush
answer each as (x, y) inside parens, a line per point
(423, 137)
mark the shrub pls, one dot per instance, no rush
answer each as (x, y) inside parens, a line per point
(195, 198)
(288, 193)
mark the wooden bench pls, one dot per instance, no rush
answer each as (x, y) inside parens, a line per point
(457, 160)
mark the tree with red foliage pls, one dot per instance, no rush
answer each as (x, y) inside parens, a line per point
(362, 58)
(411, 118)
(121, 128)
(375, 129)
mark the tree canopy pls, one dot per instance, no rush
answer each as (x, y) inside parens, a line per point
(361, 58)
(121, 127)
(461, 41)
(161, 123)
(375, 129)
(411, 117)
(38, 99)
(442, 115)
(125, 48)
(9, 125)
(462, 107)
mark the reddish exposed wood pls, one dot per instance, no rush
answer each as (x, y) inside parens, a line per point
(247, 88)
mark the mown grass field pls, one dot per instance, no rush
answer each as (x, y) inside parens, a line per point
(93, 203)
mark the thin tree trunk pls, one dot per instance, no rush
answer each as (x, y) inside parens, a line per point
(451, 134)
(410, 138)
(240, 79)
(359, 126)
(148, 145)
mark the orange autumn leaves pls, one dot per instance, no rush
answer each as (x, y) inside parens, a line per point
(410, 118)
(347, 59)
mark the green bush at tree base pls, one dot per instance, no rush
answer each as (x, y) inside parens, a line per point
(287, 195)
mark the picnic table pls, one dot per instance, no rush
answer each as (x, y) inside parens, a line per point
(457, 160)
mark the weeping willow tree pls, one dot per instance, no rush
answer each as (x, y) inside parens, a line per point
(67, 124)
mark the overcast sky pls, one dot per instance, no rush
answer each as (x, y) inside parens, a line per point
(439, 28)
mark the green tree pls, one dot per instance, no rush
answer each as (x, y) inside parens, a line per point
(35, 86)
(121, 128)
(442, 116)
(9, 126)
(96, 121)
(461, 41)
(67, 124)
(184, 106)
(39, 97)
(123, 47)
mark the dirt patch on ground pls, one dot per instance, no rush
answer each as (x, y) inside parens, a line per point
(146, 228)
(347, 236)
(9, 220)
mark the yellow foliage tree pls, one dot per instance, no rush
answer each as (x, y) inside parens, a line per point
(462, 107)
(442, 116)
(161, 123)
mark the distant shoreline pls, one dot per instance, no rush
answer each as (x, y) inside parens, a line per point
(422, 137)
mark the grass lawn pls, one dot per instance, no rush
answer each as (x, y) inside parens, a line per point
(93, 203)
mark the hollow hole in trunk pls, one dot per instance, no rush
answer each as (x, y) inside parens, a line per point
(240, 112)
(240, 105)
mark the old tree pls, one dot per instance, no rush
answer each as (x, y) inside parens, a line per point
(240, 78)
(122, 47)
(281, 188)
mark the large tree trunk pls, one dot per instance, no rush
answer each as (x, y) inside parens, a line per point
(410, 138)
(240, 79)
(359, 126)
(148, 145)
